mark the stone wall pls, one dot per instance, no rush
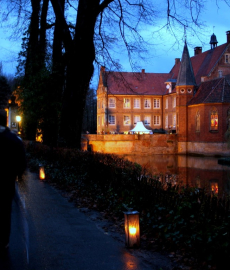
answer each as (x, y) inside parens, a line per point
(131, 144)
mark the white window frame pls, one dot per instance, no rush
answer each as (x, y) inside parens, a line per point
(112, 119)
(136, 119)
(156, 120)
(166, 103)
(174, 102)
(147, 103)
(147, 120)
(136, 103)
(166, 121)
(126, 120)
(112, 102)
(156, 103)
(127, 103)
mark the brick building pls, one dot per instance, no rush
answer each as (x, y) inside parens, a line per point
(192, 100)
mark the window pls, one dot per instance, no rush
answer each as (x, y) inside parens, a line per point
(166, 103)
(156, 103)
(126, 103)
(156, 120)
(102, 104)
(174, 121)
(227, 58)
(166, 121)
(174, 102)
(147, 120)
(214, 119)
(136, 103)
(99, 120)
(136, 119)
(112, 119)
(147, 103)
(99, 104)
(198, 121)
(126, 120)
(112, 103)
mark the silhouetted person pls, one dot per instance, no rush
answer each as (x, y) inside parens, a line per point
(12, 165)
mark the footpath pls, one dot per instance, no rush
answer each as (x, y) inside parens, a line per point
(51, 233)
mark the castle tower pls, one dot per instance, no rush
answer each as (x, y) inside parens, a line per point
(185, 90)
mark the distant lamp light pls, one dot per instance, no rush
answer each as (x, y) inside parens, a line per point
(18, 120)
(132, 229)
(42, 175)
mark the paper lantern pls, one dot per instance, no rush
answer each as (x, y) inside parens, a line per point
(132, 229)
(42, 175)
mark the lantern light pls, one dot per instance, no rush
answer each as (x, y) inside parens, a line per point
(132, 229)
(42, 172)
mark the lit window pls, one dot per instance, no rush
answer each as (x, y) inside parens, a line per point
(166, 121)
(136, 119)
(198, 121)
(156, 103)
(99, 120)
(147, 103)
(147, 120)
(112, 103)
(126, 103)
(174, 102)
(111, 119)
(126, 120)
(99, 104)
(156, 120)
(174, 121)
(166, 103)
(136, 103)
(214, 119)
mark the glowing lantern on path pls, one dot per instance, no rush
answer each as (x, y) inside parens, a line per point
(42, 175)
(132, 229)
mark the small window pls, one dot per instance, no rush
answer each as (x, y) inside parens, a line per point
(147, 103)
(174, 102)
(156, 120)
(166, 121)
(136, 119)
(198, 121)
(214, 119)
(182, 90)
(136, 103)
(126, 120)
(227, 58)
(99, 120)
(156, 103)
(147, 120)
(112, 103)
(174, 121)
(112, 119)
(166, 103)
(126, 102)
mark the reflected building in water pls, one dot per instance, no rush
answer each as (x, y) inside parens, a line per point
(201, 172)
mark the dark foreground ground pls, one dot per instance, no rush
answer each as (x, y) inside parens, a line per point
(51, 233)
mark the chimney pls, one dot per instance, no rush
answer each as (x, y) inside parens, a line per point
(197, 50)
(177, 60)
(143, 71)
(228, 36)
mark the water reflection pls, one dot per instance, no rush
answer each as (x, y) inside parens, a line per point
(201, 172)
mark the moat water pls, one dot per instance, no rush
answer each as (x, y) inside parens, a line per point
(201, 172)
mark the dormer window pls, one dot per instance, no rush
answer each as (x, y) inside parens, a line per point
(182, 90)
(227, 58)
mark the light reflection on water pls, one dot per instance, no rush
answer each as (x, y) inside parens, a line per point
(193, 171)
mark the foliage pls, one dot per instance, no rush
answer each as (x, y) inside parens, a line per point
(176, 217)
(5, 91)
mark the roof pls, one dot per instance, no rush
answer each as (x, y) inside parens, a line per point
(123, 83)
(186, 74)
(213, 91)
(202, 63)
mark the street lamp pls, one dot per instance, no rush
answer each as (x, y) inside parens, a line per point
(18, 119)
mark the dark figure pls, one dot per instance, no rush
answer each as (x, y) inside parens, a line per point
(12, 165)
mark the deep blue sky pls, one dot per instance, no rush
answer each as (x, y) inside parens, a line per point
(162, 55)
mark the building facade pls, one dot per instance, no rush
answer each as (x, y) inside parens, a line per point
(192, 100)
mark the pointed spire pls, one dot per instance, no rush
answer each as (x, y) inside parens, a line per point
(186, 74)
